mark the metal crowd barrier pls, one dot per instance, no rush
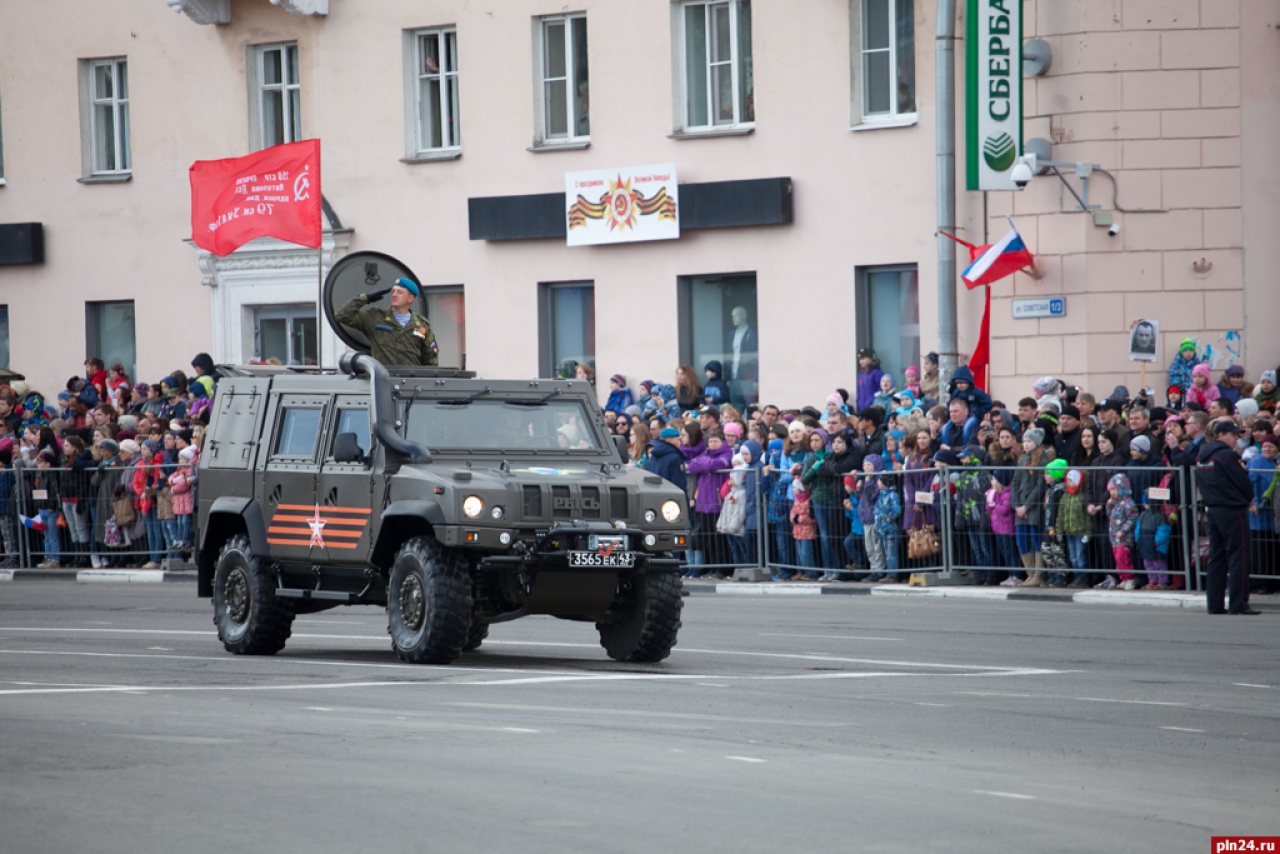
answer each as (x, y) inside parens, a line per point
(77, 518)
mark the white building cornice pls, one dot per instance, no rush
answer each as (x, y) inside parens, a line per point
(219, 11)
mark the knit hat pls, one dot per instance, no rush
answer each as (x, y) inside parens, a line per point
(1044, 385)
(1074, 480)
(931, 357)
(877, 462)
(733, 427)
(1271, 439)
(1200, 370)
(668, 433)
(1177, 390)
(834, 398)
(947, 457)
(185, 435)
(775, 445)
(128, 446)
(1187, 344)
(633, 411)
(1072, 411)
(619, 379)
(912, 371)
(1234, 371)
(647, 385)
(1246, 407)
(109, 445)
(1267, 377)
(1035, 434)
(1159, 413)
(826, 437)
(187, 454)
(142, 389)
(1142, 443)
(1057, 469)
(1111, 436)
(153, 446)
(49, 455)
(409, 285)
(1004, 477)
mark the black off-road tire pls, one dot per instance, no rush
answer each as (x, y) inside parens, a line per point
(647, 630)
(475, 636)
(428, 603)
(249, 617)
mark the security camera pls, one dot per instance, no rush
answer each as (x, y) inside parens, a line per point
(1114, 229)
(1023, 170)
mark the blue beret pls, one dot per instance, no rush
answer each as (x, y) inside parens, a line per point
(668, 433)
(409, 285)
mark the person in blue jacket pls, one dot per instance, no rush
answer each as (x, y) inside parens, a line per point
(716, 391)
(619, 395)
(665, 459)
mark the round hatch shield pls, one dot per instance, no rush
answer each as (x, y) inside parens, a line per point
(361, 273)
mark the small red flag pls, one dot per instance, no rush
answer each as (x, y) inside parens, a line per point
(270, 193)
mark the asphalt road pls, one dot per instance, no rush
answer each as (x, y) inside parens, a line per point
(809, 724)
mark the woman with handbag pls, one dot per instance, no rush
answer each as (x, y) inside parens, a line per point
(919, 520)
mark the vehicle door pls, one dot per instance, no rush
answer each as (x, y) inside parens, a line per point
(290, 468)
(349, 489)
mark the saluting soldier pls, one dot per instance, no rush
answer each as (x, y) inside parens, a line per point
(398, 336)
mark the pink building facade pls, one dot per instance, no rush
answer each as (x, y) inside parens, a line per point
(803, 140)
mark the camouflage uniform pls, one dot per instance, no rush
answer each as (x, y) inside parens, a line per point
(389, 343)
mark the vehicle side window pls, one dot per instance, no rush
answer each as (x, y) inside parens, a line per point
(299, 429)
(355, 421)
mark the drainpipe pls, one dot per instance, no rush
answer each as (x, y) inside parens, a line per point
(945, 96)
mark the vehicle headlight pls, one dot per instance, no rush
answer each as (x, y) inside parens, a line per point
(671, 510)
(496, 512)
(473, 505)
(651, 516)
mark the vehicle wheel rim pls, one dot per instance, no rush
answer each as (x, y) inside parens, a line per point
(413, 603)
(237, 596)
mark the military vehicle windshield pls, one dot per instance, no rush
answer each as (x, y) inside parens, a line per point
(491, 424)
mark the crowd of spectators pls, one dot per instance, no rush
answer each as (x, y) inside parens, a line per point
(106, 469)
(1063, 489)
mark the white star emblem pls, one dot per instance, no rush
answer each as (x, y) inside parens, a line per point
(317, 529)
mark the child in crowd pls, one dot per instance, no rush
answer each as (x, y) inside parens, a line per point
(853, 543)
(733, 434)
(710, 465)
(619, 395)
(971, 516)
(1183, 363)
(911, 381)
(1174, 396)
(1073, 523)
(893, 449)
(888, 513)
(1003, 524)
(869, 487)
(1123, 521)
(716, 391)
(804, 530)
(1266, 393)
(180, 485)
(869, 374)
(1201, 390)
(1054, 548)
(1154, 533)
(1232, 386)
(1028, 496)
(885, 394)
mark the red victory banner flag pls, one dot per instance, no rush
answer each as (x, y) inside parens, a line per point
(270, 193)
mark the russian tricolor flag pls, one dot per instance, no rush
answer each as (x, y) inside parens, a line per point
(1000, 259)
(36, 524)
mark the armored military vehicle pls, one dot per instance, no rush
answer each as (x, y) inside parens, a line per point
(451, 501)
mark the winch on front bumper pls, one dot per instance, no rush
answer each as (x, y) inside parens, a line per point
(590, 547)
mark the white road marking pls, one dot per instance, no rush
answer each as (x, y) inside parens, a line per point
(711, 684)
(1181, 729)
(1251, 685)
(517, 729)
(161, 648)
(1013, 795)
(939, 705)
(1060, 697)
(318, 709)
(1129, 702)
(746, 759)
(826, 637)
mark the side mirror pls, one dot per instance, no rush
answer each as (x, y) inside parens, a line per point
(346, 449)
(624, 452)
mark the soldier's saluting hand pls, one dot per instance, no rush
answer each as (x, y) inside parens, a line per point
(398, 336)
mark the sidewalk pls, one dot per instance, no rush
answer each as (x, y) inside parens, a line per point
(180, 572)
(1159, 599)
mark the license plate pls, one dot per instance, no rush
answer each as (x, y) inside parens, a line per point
(621, 560)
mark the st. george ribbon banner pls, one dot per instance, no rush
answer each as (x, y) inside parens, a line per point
(270, 193)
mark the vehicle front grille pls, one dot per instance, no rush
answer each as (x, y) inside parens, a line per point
(532, 502)
(561, 497)
(617, 503)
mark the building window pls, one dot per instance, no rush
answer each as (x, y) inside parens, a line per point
(285, 335)
(447, 311)
(104, 87)
(4, 336)
(436, 90)
(718, 323)
(718, 88)
(888, 64)
(275, 115)
(888, 316)
(560, 51)
(567, 328)
(109, 334)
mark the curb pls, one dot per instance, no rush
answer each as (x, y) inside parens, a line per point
(150, 576)
(1157, 599)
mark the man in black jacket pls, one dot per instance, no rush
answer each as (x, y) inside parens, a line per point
(666, 461)
(1228, 495)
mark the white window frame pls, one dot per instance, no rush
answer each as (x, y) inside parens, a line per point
(740, 124)
(861, 79)
(542, 136)
(451, 134)
(90, 100)
(258, 87)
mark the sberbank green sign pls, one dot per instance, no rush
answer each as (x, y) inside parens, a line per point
(993, 92)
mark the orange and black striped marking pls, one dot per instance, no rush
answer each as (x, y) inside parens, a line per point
(319, 528)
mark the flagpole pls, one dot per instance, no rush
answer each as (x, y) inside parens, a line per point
(320, 301)
(945, 111)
